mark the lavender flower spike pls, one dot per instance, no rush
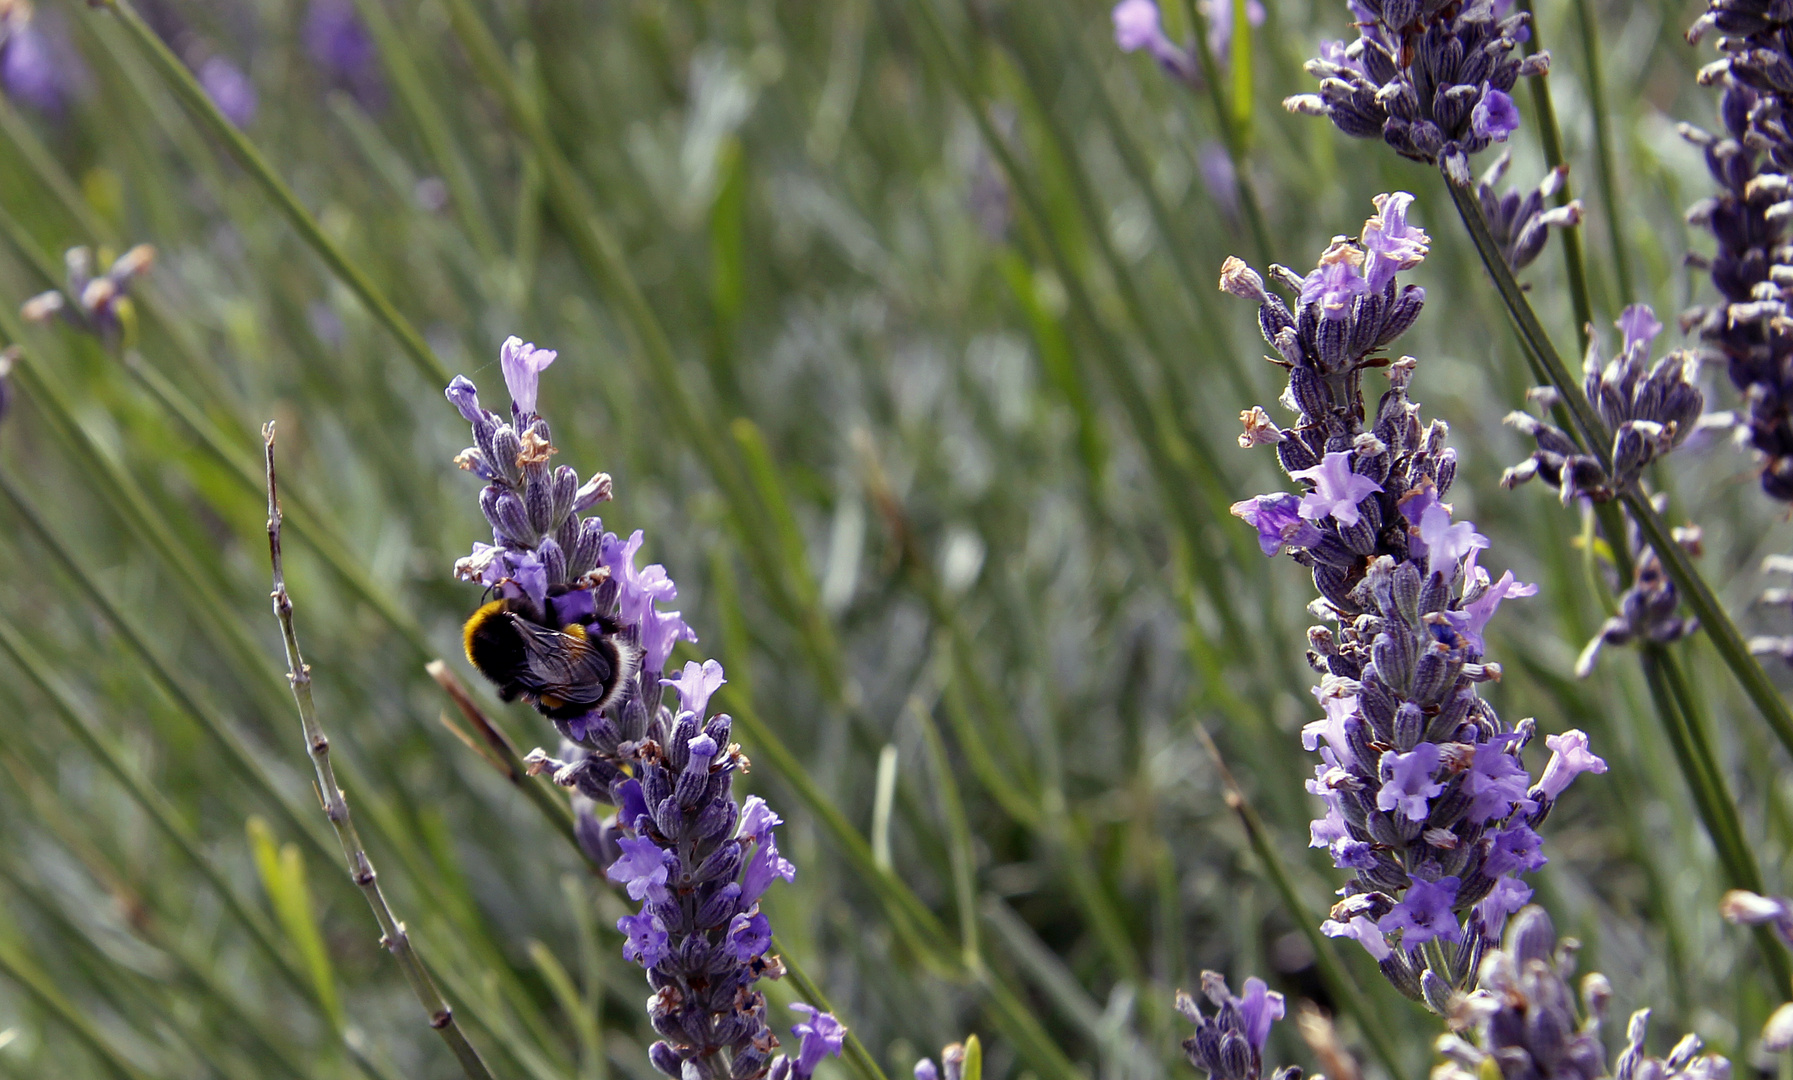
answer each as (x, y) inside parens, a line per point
(1431, 80)
(696, 861)
(1428, 804)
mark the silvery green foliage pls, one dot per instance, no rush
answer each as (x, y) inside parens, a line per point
(1523, 1020)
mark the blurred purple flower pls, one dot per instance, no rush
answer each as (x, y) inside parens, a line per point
(229, 89)
(339, 44)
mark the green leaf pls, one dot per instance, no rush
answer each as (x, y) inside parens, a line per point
(282, 871)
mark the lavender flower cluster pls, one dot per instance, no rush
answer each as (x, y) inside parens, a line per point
(1524, 1016)
(697, 861)
(1431, 78)
(1752, 266)
(1427, 801)
(1650, 409)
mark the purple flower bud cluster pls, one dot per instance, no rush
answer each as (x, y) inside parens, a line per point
(1523, 1017)
(1650, 409)
(696, 861)
(1432, 78)
(1229, 1045)
(1427, 801)
(1752, 265)
(1518, 221)
(1649, 610)
(88, 302)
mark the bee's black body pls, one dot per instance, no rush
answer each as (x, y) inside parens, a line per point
(564, 673)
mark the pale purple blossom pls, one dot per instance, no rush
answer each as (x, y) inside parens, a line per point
(642, 868)
(1424, 914)
(757, 820)
(820, 1036)
(523, 365)
(229, 89)
(1496, 782)
(1339, 708)
(695, 685)
(1495, 116)
(1508, 895)
(1569, 758)
(765, 865)
(1407, 780)
(1516, 849)
(749, 935)
(1474, 616)
(645, 939)
(1259, 1007)
(1337, 490)
(1391, 244)
(1447, 543)
(1279, 522)
(1639, 326)
(1336, 281)
(1361, 930)
(660, 631)
(1137, 26)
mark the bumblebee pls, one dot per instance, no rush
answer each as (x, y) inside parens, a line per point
(564, 673)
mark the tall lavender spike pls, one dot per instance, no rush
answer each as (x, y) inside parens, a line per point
(1524, 1020)
(697, 861)
(1431, 78)
(1428, 804)
(1750, 159)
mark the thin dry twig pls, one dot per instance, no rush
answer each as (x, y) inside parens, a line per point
(393, 937)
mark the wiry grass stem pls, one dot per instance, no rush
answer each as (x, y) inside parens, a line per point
(336, 807)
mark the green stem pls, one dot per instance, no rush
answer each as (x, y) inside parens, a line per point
(1710, 796)
(1550, 138)
(193, 95)
(1343, 987)
(1230, 136)
(393, 936)
(1726, 638)
(1596, 89)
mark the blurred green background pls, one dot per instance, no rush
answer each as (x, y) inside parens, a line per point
(936, 434)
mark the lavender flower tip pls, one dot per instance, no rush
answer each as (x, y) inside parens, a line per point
(819, 1036)
(523, 365)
